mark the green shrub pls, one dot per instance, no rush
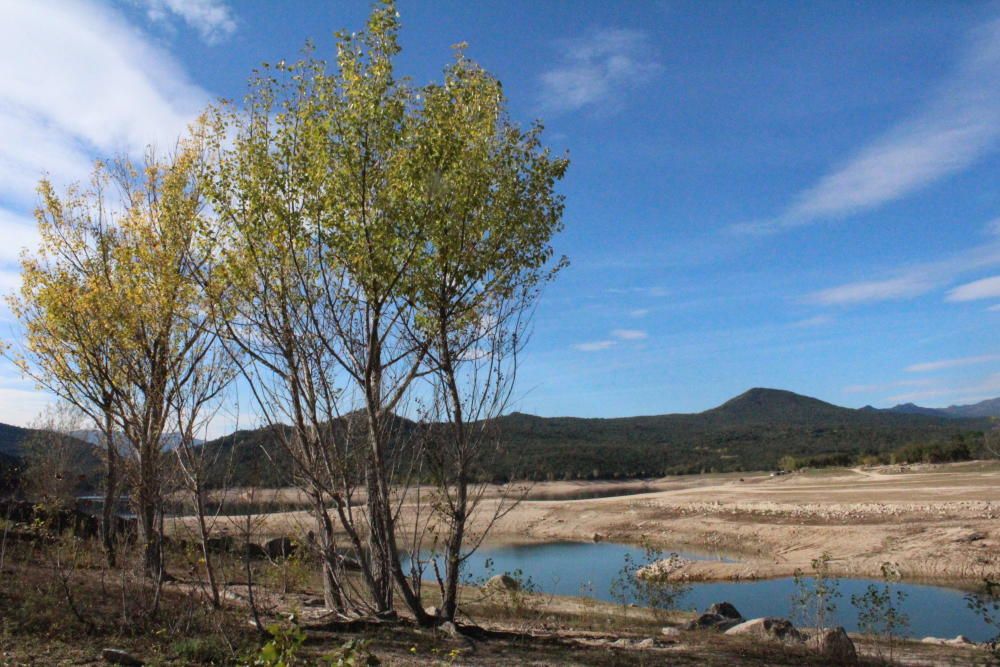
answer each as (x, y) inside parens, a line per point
(202, 650)
(815, 597)
(880, 612)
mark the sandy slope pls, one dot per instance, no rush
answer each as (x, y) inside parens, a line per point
(935, 522)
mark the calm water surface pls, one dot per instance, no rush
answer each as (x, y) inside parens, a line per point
(582, 568)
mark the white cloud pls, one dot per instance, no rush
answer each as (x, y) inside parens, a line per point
(594, 346)
(988, 387)
(20, 406)
(910, 281)
(995, 308)
(77, 82)
(958, 125)
(952, 363)
(987, 288)
(629, 334)
(874, 290)
(211, 18)
(598, 70)
(638, 312)
(18, 232)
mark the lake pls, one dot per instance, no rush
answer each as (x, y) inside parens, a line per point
(588, 569)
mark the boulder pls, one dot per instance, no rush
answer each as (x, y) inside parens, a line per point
(960, 640)
(450, 629)
(220, 545)
(253, 551)
(503, 582)
(720, 616)
(280, 547)
(671, 633)
(431, 611)
(834, 644)
(649, 642)
(118, 657)
(780, 629)
(709, 621)
(725, 609)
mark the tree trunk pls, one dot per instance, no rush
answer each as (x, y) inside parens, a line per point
(203, 530)
(108, 513)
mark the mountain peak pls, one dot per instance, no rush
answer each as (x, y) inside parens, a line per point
(764, 404)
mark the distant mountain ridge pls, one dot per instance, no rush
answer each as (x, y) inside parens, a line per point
(752, 431)
(983, 409)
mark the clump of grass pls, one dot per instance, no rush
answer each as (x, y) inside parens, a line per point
(202, 650)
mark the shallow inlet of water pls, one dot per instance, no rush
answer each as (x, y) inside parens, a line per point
(587, 569)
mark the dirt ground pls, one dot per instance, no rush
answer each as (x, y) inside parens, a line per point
(936, 522)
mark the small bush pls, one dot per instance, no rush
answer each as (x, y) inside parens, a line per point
(880, 612)
(650, 582)
(815, 597)
(202, 650)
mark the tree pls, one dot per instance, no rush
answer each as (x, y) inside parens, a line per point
(487, 211)
(374, 236)
(65, 308)
(115, 316)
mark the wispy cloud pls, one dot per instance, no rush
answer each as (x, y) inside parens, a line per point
(910, 281)
(629, 334)
(943, 364)
(987, 288)
(211, 18)
(987, 387)
(874, 290)
(594, 346)
(877, 388)
(598, 70)
(638, 312)
(18, 232)
(656, 292)
(617, 336)
(810, 322)
(77, 82)
(19, 406)
(959, 124)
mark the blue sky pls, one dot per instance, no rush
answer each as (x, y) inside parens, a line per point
(793, 195)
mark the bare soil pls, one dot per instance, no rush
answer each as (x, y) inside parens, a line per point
(936, 522)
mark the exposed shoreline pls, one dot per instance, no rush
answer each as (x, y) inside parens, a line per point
(938, 523)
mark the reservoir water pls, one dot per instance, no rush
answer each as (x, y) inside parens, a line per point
(588, 569)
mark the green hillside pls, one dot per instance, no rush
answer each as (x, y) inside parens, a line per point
(750, 432)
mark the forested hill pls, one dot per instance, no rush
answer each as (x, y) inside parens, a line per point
(752, 431)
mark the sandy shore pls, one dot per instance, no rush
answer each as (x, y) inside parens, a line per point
(935, 522)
